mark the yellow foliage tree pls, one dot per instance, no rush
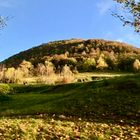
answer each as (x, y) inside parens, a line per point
(101, 63)
(136, 65)
(67, 75)
(10, 74)
(26, 67)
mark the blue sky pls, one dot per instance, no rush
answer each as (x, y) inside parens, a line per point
(34, 22)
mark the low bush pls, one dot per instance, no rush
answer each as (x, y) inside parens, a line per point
(5, 89)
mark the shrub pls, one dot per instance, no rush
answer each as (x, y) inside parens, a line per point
(89, 64)
(66, 75)
(136, 65)
(101, 63)
(26, 67)
(48, 76)
(50, 80)
(19, 76)
(41, 69)
(125, 63)
(112, 65)
(49, 68)
(5, 89)
(10, 75)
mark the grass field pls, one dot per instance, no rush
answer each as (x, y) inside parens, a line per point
(85, 77)
(106, 109)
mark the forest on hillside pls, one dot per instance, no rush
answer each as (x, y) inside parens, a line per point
(81, 55)
(57, 62)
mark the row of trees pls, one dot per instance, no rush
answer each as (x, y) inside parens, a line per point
(49, 74)
(45, 73)
(97, 60)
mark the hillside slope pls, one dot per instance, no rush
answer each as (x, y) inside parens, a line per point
(74, 48)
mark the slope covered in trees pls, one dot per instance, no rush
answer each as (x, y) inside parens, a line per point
(81, 55)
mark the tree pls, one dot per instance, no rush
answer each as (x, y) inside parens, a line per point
(101, 63)
(136, 65)
(10, 74)
(49, 68)
(89, 64)
(67, 75)
(40, 69)
(132, 8)
(2, 22)
(26, 67)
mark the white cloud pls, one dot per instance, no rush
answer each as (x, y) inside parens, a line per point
(119, 40)
(104, 6)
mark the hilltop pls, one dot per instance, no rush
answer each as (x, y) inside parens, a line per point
(76, 52)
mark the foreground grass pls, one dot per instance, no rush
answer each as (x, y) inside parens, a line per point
(107, 109)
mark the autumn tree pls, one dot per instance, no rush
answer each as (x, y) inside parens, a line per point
(46, 73)
(19, 76)
(2, 22)
(132, 18)
(10, 74)
(89, 64)
(2, 73)
(66, 75)
(136, 65)
(26, 67)
(101, 63)
(49, 68)
(40, 70)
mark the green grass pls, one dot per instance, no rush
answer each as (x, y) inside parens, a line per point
(107, 109)
(107, 99)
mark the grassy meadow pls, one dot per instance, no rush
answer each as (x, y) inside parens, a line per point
(104, 109)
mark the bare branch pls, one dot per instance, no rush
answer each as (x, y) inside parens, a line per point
(3, 22)
(132, 7)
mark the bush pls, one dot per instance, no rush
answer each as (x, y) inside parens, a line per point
(136, 65)
(5, 89)
(50, 80)
(125, 63)
(66, 75)
(89, 64)
(101, 63)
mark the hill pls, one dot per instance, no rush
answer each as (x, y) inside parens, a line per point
(79, 52)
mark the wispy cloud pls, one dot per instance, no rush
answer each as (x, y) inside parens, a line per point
(127, 36)
(8, 3)
(104, 6)
(133, 38)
